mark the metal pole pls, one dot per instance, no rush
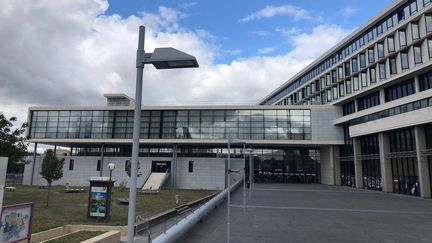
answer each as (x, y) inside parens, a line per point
(102, 159)
(229, 197)
(250, 173)
(244, 178)
(136, 135)
(34, 164)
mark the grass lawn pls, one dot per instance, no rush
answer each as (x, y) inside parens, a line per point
(71, 208)
(77, 237)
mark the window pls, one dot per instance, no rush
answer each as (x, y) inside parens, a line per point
(334, 76)
(328, 79)
(402, 38)
(98, 165)
(368, 101)
(363, 77)
(382, 70)
(362, 60)
(347, 68)
(348, 108)
(340, 73)
(425, 81)
(371, 56)
(417, 54)
(399, 90)
(335, 93)
(71, 164)
(372, 75)
(356, 83)
(392, 62)
(348, 86)
(415, 30)
(190, 166)
(404, 60)
(380, 47)
(127, 165)
(354, 65)
(391, 44)
(341, 89)
(428, 20)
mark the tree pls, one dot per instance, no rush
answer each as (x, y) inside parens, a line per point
(12, 143)
(52, 169)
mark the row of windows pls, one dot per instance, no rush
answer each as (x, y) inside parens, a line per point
(425, 81)
(368, 101)
(194, 124)
(393, 111)
(368, 36)
(399, 90)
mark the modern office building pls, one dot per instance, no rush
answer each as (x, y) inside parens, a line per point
(360, 115)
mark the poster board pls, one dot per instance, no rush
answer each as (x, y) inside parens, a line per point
(98, 201)
(16, 222)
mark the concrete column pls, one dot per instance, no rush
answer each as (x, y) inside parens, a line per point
(173, 172)
(336, 161)
(382, 96)
(422, 162)
(102, 159)
(327, 159)
(385, 164)
(33, 164)
(357, 163)
(55, 149)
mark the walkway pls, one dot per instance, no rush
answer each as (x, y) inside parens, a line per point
(318, 213)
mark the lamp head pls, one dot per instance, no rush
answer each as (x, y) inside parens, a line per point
(111, 166)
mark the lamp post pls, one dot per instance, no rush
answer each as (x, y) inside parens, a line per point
(230, 141)
(250, 151)
(111, 167)
(161, 58)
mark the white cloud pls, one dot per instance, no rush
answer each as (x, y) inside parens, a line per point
(288, 32)
(266, 50)
(270, 11)
(260, 32)
(348, 11)
(71, 52)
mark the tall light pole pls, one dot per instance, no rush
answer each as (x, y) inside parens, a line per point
(161, 58)
(250, 151)
(230, 141)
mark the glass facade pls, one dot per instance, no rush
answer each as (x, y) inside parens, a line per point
(370, 162)
(399, 90)
(365, 38)
(277, 124)
(346, 160)
(404, 162)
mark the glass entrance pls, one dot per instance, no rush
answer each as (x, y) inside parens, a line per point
(287, 166)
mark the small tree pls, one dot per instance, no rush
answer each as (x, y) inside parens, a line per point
(52, 169)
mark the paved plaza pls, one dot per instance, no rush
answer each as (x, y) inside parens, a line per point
(317, 213)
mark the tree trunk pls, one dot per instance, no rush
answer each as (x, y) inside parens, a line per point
(49, 190)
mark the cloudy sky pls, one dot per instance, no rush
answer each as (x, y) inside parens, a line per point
(70, 52)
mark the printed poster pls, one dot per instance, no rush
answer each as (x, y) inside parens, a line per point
(16, 222)
(98, 201)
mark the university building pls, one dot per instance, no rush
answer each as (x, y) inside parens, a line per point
(359, 116)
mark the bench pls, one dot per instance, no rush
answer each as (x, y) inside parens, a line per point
(10, 188)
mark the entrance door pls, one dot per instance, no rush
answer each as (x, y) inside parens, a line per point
(161, 166)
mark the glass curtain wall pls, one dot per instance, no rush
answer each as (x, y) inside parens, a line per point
(428, 130)
(404, 162)
(346, 159)
(370, 162)
(174, 124)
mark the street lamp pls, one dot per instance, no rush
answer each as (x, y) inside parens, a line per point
(230, 141)
(111, 167)
(250, 152)
(161, 58)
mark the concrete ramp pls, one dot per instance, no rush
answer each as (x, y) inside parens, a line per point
(155, 181)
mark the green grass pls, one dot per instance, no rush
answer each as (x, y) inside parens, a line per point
(77, 237)
(71, 208)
